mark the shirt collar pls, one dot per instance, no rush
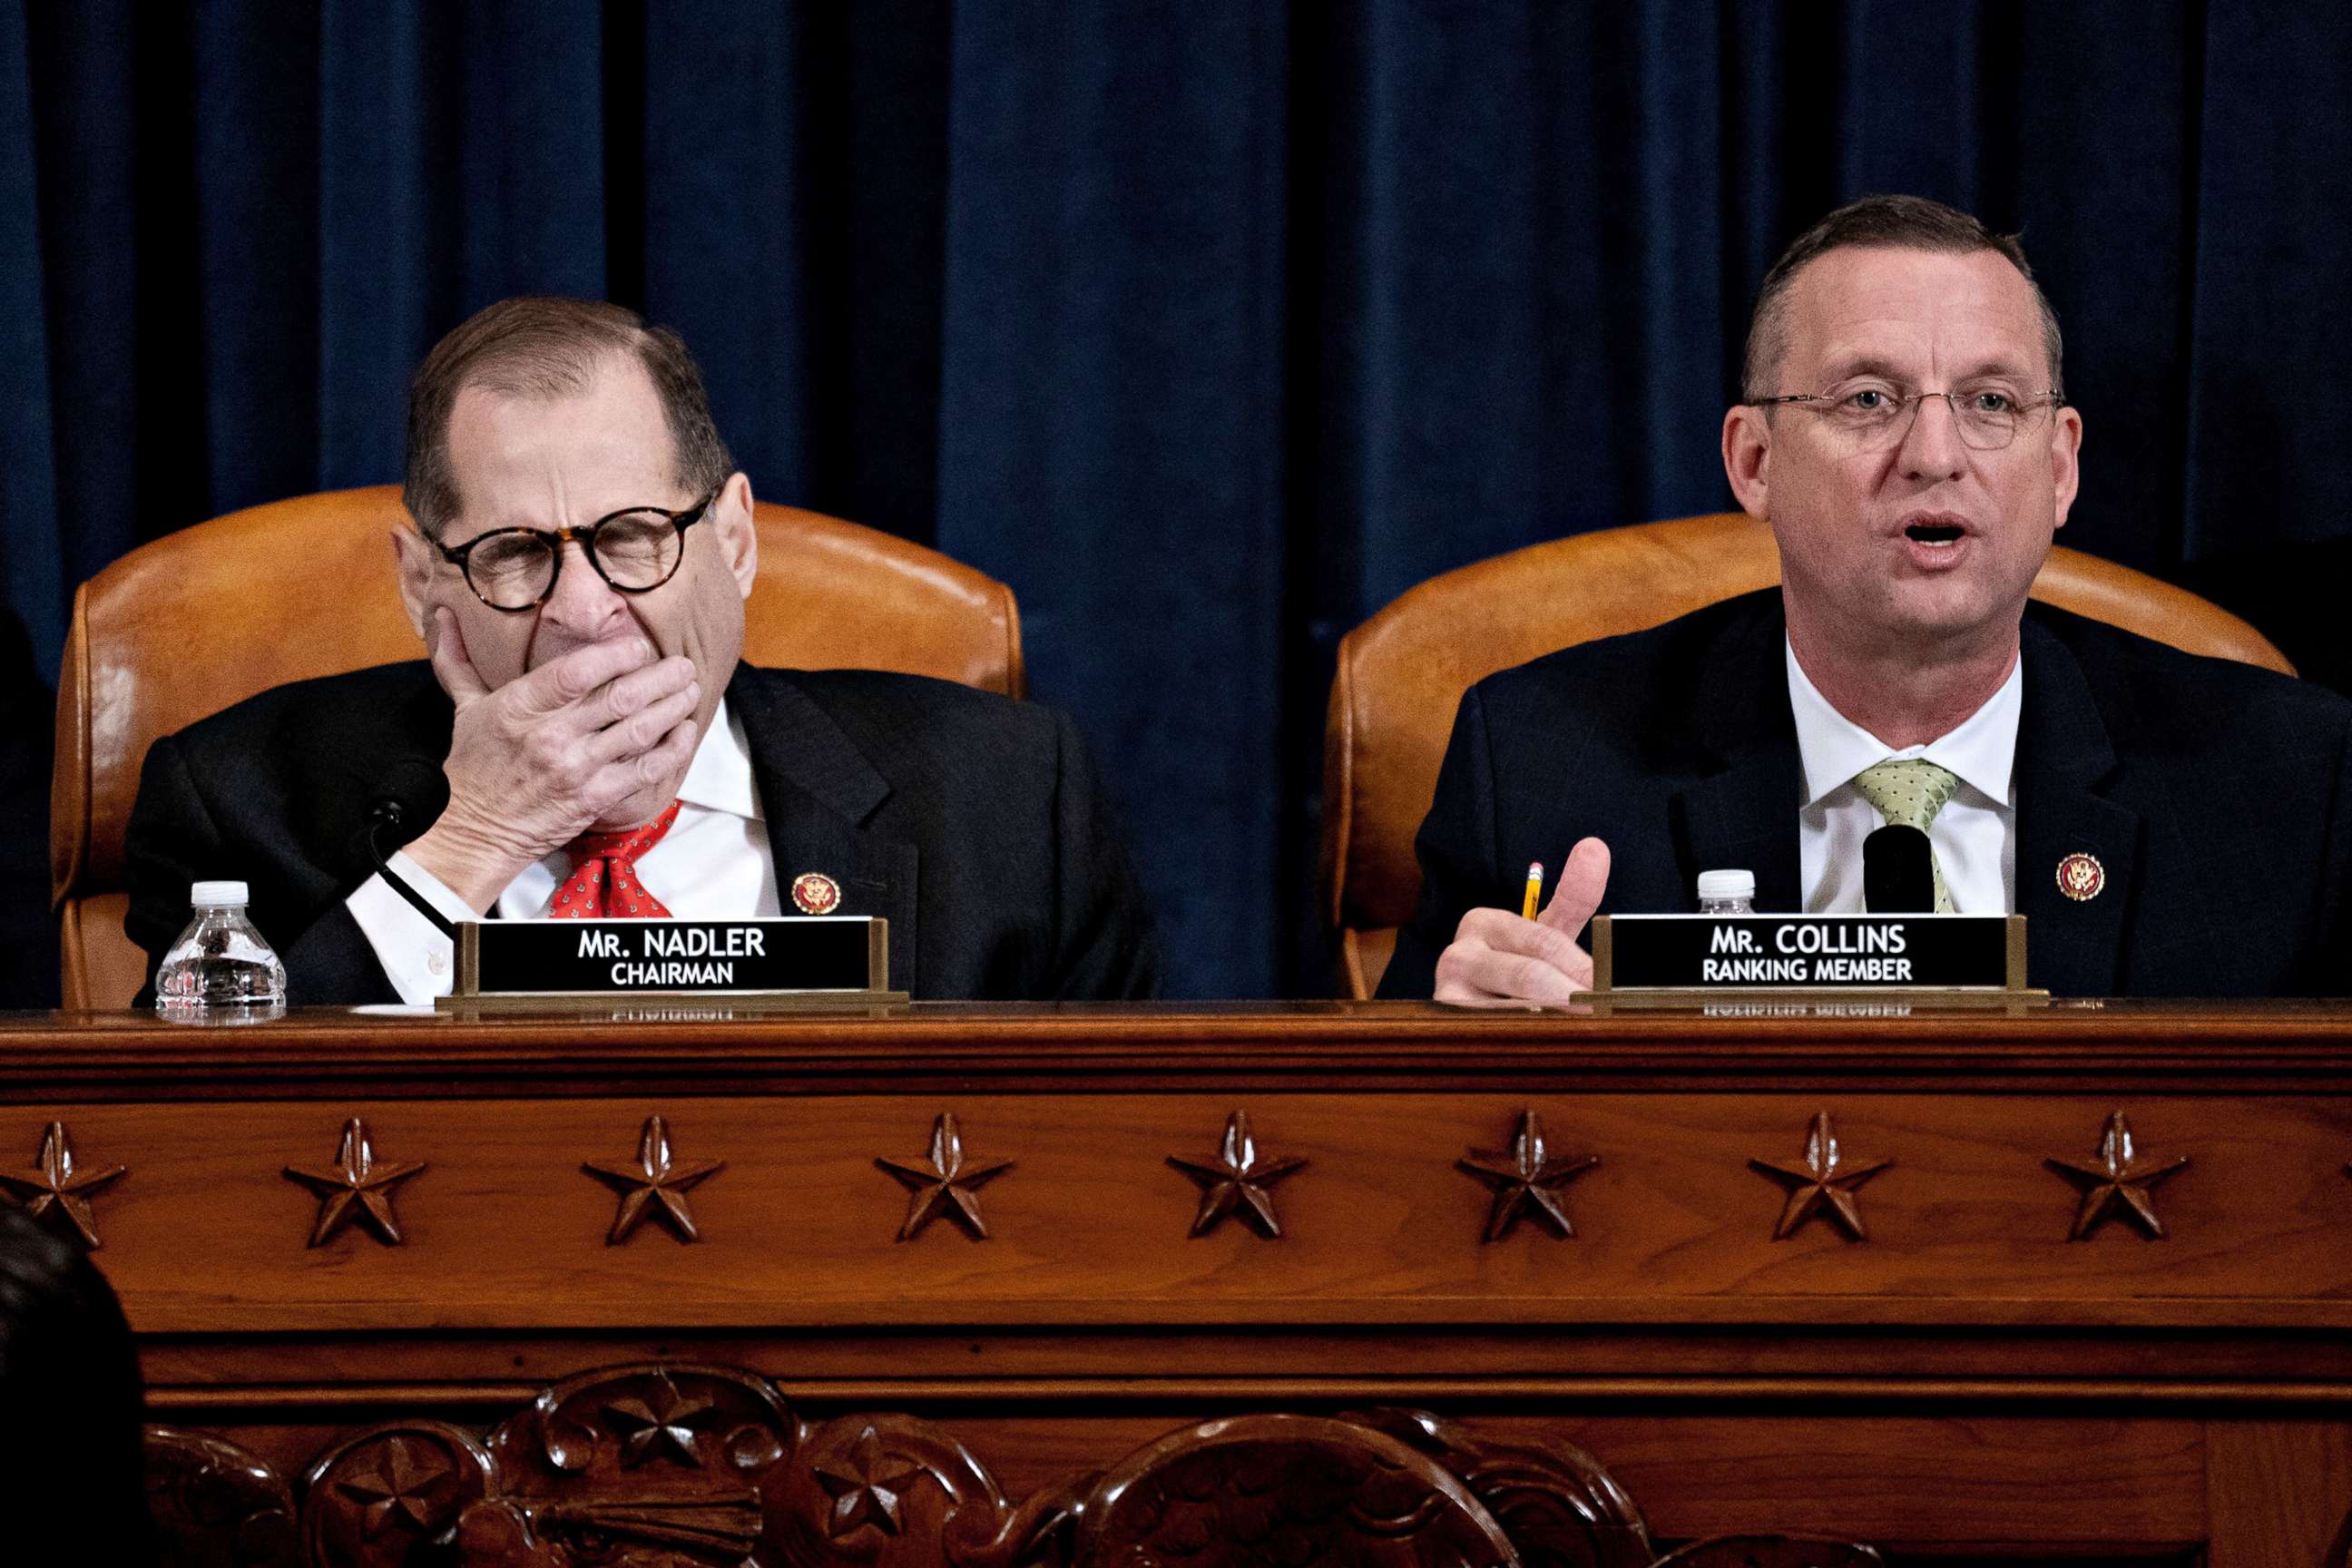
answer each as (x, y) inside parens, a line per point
(1982, 751)
(719, 778)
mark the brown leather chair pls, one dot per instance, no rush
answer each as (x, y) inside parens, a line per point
(1403, 673)
(207, 616)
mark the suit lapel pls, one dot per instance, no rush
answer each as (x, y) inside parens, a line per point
(818, 790)
(2064, 759)
(354, 750)
(1740, 812)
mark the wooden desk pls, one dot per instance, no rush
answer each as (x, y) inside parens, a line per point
(1972, 1382)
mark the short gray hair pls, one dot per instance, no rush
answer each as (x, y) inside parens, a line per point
(1878, 223)
(542, 346)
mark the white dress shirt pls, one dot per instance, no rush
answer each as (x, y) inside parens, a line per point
(1974, 835)
(712, 864)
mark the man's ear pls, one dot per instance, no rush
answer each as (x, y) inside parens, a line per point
(2066, 459)
(1748, 457)
(737, 535)
(413, 558)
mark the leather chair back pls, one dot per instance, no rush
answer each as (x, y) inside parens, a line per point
(1401, 675)
(207, 616)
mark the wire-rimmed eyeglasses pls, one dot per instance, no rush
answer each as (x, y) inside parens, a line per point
(1874, 417)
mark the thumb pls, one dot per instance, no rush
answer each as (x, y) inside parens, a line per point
(1582, 881)
(450, 666)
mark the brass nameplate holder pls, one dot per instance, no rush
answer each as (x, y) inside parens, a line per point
(1686, 961)
(792, 964)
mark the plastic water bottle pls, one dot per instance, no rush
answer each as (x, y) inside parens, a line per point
(1727, 892)
(220, 966)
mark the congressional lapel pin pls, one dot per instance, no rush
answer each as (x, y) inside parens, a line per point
(2080, 877)
(814, 893)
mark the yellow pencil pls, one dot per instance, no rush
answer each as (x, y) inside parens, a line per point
(1535, 891)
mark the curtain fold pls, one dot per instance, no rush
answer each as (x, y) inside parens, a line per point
(32, 560)
(1110, 433)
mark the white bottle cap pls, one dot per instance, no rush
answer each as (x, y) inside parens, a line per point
(216, 895)
(1727, 884)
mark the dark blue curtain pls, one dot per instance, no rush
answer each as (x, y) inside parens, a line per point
(28, 938)
(1210, 326)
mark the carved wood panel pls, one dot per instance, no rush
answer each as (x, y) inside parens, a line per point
(504, 1231)
(217, 1506)
(670, 1465)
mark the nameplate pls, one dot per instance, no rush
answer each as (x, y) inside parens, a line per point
(818, 957)
(1688, 953)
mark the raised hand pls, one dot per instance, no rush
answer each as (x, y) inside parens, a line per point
(1498, 958)
(535, 762)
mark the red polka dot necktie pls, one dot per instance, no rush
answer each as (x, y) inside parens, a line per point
(604, 883)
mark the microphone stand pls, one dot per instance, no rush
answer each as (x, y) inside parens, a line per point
(390, 815)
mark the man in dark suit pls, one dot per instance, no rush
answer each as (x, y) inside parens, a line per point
(2170, 824)
(583, 550)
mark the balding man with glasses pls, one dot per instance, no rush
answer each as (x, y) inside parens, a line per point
(2172, 826)
(581, 550)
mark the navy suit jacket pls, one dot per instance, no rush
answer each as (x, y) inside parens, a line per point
(973, 822)
(2213, 793)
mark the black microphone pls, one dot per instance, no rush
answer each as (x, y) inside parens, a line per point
(1898, 876)
(410, 793)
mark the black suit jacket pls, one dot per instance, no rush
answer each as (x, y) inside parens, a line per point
(2215, 795)
(973, 822)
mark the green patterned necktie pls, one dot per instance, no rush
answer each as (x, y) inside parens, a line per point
(1912, 793)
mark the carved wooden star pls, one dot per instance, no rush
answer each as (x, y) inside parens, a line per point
(945, 1183)
(2117, 1178)
(357, 1186)
(863, 1489)
(655, 1176)
(660, 1425)
(54, 1182)
(1236, 1181)
(1523, 1180)
(1825, 1181)
(398, 1486)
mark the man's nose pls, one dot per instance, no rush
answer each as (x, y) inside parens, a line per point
(1932, 449)
(582, 602)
